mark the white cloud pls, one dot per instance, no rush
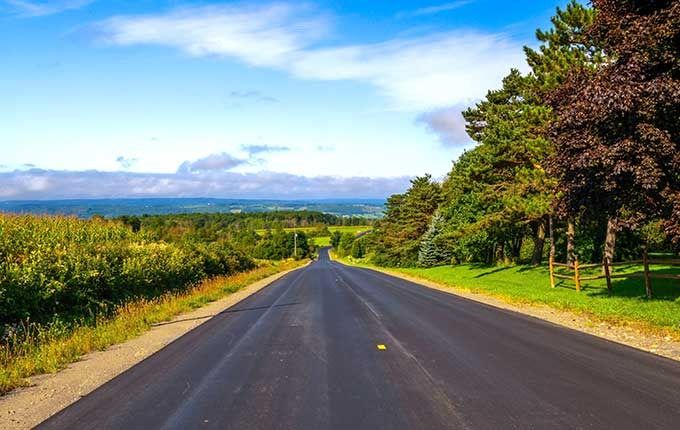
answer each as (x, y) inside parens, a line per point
(263, 149)
(256, 35)
(432, 10)
(43, 8)
(417, 73)
(448, 124)
(212, 162)
(59, 184)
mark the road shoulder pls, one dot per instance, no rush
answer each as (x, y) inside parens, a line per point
(48, 394)
(628, 334)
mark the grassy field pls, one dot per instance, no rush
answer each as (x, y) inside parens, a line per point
(326, 240)
(526, 284)
(356, 229)
(48, 349)
(322, 241)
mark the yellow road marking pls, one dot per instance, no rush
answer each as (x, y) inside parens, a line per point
(382, 347)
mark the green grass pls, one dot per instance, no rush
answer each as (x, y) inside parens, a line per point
(321, 241)
(526, 284)
(356, 229)
(49, 349)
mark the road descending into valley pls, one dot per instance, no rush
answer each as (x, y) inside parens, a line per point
(335, 347)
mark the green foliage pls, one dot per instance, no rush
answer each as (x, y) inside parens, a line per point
(504, 191)
(335, 239)
(564, 47)
(55, 267)
(433, 248)
(345, 244)
(396, 239)
(281, 244)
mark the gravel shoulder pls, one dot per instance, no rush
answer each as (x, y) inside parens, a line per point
(48, 394)
(630, 334)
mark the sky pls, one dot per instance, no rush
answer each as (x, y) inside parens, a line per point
(245, 99)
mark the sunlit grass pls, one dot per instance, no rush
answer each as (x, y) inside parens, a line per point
(355, 229)
(321, 241)
(528, 284)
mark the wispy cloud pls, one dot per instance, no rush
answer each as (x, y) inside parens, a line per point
(252, 95)
(257, 35)
(213, 162)
(263, 149)
(58, 184)
(43, 8)
(448, 124)
(126, 163)
(432, 10)
(417, 73)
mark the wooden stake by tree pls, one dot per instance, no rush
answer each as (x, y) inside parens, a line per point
(577, 276)
(648, 281)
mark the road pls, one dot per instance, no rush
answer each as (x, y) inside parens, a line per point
(304, 353)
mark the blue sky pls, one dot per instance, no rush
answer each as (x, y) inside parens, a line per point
(245, 99)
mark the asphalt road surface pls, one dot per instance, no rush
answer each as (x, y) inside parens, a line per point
(334, 347)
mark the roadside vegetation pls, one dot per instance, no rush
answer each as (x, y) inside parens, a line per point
(35, 349)
(323, 235)
(576, 161)
(69, 286)
(526, 284)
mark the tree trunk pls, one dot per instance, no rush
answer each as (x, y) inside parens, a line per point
(499, 254)
(516, 248)
(610, 241)
(571, 249)
(539, 244)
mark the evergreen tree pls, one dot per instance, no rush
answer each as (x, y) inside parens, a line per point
(407, 217)
(433, 251)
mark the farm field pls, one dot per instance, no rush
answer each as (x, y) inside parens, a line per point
(528, 284)
(356, 229)
(326, 240)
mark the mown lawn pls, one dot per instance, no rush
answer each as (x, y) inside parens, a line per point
(526, 284)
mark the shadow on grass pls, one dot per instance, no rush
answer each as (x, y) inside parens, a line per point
(490, 270)
(663, 289)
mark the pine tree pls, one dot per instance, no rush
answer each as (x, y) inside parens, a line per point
(433, 251)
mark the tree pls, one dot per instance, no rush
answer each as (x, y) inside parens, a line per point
(433, 251)
(335, 239)
(567, 45)
(616, 133)
(358, 248)
(397, 236)
(508, 124)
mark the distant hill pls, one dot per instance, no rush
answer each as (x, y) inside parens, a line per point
(86, 208)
